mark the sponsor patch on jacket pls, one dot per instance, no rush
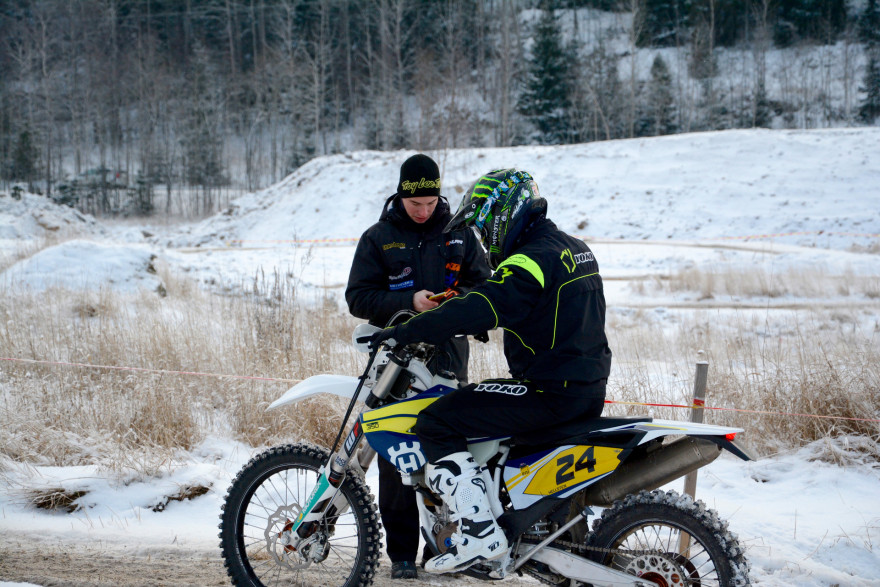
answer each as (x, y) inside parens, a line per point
(387, 246)
(406, 271)
(401, 285)
(571, 260)
(455, 241)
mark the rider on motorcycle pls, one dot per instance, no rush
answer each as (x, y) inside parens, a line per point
(546, 293)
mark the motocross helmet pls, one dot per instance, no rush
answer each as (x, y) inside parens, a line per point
(498, 207)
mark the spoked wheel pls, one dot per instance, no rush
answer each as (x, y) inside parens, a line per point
(262, 503)
(670, 540)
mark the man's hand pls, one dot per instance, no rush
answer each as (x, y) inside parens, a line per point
(443, 296)
(381, 336)
(421, 301)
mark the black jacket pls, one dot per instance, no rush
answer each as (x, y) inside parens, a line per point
(548, 298)
(397, 257)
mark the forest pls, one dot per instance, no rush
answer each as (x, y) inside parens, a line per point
(173, 107)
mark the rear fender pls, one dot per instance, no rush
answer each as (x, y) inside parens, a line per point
(723, 436)
(657, 428)
(735, 447)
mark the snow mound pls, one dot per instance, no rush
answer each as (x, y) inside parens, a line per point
(804, 187)
(86, 265)
(336, 196)
(32, 217)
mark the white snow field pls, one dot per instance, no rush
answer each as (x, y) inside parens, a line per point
(803, 202)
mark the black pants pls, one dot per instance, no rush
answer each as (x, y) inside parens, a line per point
(503, 407)
(397, 502)
(400, 515)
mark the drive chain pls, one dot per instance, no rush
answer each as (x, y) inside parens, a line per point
(578, 548)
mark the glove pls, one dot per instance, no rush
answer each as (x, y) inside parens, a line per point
(381, 336)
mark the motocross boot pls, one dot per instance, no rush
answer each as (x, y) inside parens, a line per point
(456, 479)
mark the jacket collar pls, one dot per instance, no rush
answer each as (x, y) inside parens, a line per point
(534, 231)
(394, 213)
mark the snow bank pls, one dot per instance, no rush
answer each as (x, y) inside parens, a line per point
(35, 216)
(83, 265)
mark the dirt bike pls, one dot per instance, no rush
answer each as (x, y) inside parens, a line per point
(301, 514)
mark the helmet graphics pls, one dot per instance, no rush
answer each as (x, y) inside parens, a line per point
(498, 207)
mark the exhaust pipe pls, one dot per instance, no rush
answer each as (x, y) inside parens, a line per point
(651, 470)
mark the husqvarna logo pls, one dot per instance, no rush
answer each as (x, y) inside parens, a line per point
(508, 388)
(407, 456)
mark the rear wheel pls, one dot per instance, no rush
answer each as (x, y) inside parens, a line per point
(668, 539)
(262, 502)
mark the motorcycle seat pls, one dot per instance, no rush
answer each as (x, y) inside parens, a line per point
(589, 431)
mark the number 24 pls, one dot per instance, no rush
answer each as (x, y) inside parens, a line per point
(586, 461)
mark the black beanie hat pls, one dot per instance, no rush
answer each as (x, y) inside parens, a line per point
(419, 177)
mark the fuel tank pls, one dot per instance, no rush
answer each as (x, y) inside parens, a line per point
(647, 470)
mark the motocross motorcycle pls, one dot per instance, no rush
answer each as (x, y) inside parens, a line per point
(301, 514)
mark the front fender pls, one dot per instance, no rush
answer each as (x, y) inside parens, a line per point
(341, 385)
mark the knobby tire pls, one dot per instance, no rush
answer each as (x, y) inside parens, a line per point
(641, 534)
(269, 492)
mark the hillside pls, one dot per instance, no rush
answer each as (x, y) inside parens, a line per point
(813, 188)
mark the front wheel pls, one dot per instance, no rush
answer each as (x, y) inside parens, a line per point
(263, 501)
(669, 539)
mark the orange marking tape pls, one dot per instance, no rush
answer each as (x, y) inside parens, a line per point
(142, 370)
(275, 379)
(762, 412)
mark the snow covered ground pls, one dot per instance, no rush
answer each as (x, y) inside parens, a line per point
(775, 202)
(803, 521)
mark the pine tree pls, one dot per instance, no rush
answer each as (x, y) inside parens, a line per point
(869, 34)
(664, 21)
(869, 26)
(821, 20)
(546, 101)
(763, 114)
(702, 64)
(24, 159)
(662, 103)
(869, 109)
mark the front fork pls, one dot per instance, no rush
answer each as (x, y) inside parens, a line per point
(325, 499)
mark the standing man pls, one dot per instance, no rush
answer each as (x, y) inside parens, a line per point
(547, 294)
(400, 262)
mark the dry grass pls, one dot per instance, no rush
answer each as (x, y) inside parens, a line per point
(55, 499)
(131, 422)
(757, 282)
(787, 379)
(872, 247)
(185, 493)
(67, 415)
